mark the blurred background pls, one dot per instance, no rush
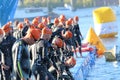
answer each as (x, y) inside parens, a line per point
(73, 3)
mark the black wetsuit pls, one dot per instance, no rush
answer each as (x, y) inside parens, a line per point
(18, 34)
(42, 60)
(69, 43)
(21, 57)
(77, 33)
(6, 49)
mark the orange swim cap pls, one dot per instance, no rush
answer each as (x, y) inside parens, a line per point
(46, 30)
(6, 28)
(58, 42)
(33, 33)
(20, 25)
(41, 26)
(68, 35)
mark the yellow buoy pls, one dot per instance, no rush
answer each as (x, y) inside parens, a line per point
(93, 39)
(105, 22)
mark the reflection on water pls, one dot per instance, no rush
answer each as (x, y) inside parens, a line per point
(105, 70)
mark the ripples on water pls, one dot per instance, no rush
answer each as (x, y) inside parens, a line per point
(105, 70)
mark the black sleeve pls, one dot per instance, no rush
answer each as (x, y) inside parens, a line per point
(19, 53)
(30, 53)
(24, 30)
(0, 56)
(12, 41)
(77, 30)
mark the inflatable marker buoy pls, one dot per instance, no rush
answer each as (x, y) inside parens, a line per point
(85, 44)
(93, 39)
(85, 48)
(105, 22)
